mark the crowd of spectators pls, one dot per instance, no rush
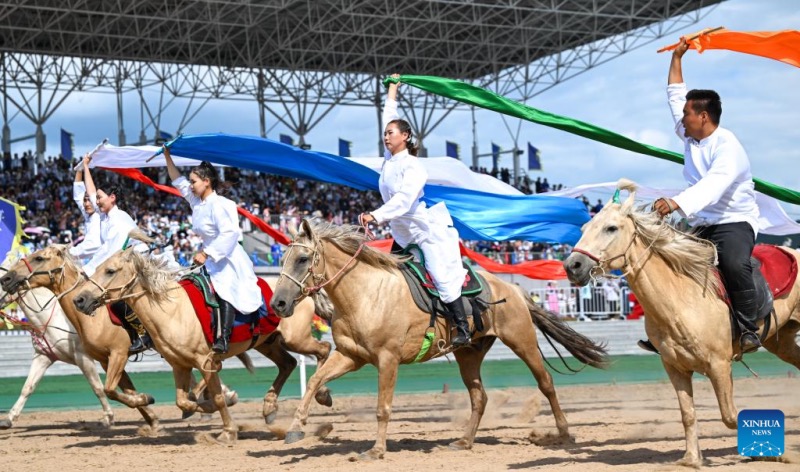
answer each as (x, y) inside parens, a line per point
(51, 216)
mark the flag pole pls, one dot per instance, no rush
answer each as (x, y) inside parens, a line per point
(96, 148)
(168, 144)
(693, 37)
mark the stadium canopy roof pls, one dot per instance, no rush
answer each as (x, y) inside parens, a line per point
(322, 52)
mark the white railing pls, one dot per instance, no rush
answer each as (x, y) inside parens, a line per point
(585, 303)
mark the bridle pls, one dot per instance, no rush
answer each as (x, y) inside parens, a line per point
(105, 296)
(51, 274)
(318, 279)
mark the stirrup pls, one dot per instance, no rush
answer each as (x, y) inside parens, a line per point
(220, 345)
(647, 346)
(138, 345)
(749, 342)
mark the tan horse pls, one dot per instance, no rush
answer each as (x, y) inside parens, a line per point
(168, 315)
(671, 275)
(377, 322)
(103, 341)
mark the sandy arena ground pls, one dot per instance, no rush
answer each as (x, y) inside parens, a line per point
(616, 427)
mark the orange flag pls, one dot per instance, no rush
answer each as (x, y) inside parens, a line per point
(782, 46)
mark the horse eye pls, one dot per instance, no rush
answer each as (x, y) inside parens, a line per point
(611, 229)
(110, 271)
(38, 258)
(302, 259)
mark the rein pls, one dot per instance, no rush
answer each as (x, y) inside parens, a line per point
(105, 296)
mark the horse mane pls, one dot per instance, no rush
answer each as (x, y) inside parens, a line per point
(349, 238)
(153, 275)
(683, 253)
(70, 261)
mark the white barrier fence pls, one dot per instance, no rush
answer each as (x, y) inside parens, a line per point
(585, 303)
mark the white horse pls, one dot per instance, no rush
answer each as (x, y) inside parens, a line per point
(54, 339)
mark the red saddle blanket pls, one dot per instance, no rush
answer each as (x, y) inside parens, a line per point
(243, 328)
(778, 266)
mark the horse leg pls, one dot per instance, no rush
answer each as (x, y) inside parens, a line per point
(286, 364)
(387, 378)
(469, 363)
(784, 344)
(128, 397)
(39, 366)
(337, 365)
(230, 432)
(183, 380)
(297, 338)
(519, 341)
(722, 381)
(682, 382)
(126, 384)
(87, 366)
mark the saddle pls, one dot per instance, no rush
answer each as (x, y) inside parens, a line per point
(774, 274)
(246, 326)
(475, 291)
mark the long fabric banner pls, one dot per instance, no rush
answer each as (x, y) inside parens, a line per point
(478, 215)
(543, 270)
(488, 100)
(539, 270)
(781, 46)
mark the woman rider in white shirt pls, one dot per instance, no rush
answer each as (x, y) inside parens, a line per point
(91, 217)
(412, 222)
(215, 220)
(115, 225)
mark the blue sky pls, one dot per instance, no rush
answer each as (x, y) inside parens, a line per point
(761, 104)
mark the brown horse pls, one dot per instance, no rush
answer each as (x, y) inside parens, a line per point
(671, 274)
(103, 341)
(167, 313)
(377, 322)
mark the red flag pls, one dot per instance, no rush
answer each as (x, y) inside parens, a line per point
(781, 46)
(541, 270)
(137, 175)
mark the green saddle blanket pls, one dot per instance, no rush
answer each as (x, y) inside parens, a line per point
(472, 283)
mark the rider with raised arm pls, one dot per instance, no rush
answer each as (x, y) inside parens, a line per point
(215, 220)
(412, 222)
(720, 201)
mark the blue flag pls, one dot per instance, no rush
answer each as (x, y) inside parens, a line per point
(452, 149)
(10, 227)
(533, 158)
(286, 139)
(495, 155)
(344, 147)
(66, 145)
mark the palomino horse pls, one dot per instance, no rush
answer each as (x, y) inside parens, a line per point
(377, 322)
(672, 275)
(103, 341)
(166, 312)
(54, 339)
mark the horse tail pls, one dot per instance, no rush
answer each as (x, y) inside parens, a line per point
(581, 347)
(248, 363)
(323, 306)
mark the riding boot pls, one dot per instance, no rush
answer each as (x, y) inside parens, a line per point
(460, 319)
(745, 310)
(227, 314)
(132, 326)
(647, 345)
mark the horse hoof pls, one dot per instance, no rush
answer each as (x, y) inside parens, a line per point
(187, 414)
(228, 437)
(5, 423)
(270, 418)
(370, 455)
(460, 445)
(232, 398)
(149, 398)
(294, 436)
(107, 422)
(323, 397)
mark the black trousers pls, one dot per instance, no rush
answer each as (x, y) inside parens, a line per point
(735, 242)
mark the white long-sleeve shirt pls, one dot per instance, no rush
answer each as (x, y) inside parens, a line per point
(216, 221)
(114, 229)
(401, 185)
(721, 188)
(91, 239)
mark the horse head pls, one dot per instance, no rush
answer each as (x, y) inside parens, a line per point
(111, 282)
(606, 239)
(43, 268)
(298, 274)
